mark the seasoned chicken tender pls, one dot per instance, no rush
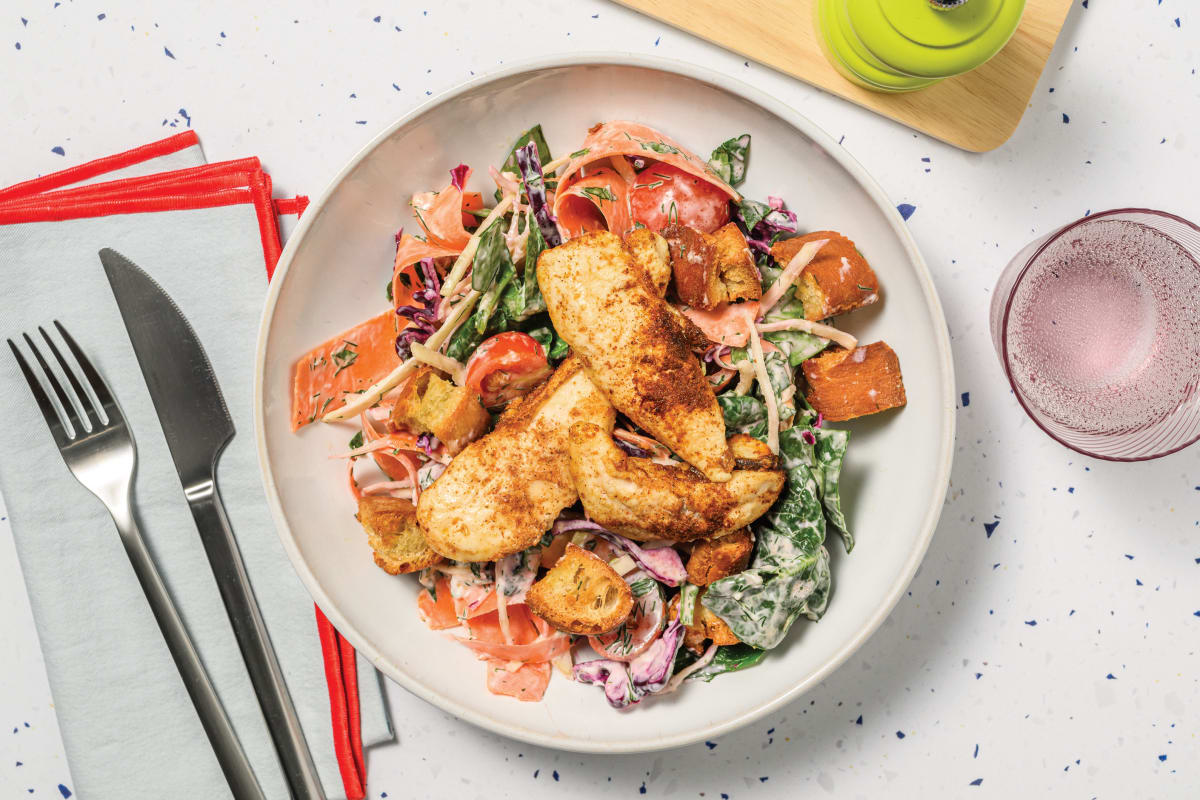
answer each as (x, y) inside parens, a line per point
(634, 348)
(500, 494)
(642, 500)
(651, 253)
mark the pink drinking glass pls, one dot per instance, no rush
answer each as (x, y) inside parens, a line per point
(1097, 326)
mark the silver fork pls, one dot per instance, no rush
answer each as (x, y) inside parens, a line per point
(98, 447)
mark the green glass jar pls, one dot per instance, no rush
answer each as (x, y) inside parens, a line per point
(903, 45)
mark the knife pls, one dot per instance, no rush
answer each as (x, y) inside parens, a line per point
(197, 427)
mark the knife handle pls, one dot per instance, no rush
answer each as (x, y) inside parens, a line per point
(267, 678)
(238, 772)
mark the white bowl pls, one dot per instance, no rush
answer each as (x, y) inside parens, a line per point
(332, 275)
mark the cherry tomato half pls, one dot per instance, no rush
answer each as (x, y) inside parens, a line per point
(663, 194)
(506, 366)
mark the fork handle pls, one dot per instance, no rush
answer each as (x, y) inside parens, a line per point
(267, 678)
(231, 757)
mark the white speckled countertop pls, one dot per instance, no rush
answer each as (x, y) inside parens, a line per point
(1048, 643)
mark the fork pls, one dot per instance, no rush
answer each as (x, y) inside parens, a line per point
(98, 448)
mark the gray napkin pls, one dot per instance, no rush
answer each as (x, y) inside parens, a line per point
(128, 726)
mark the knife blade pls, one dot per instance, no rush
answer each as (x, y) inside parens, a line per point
(197, 427)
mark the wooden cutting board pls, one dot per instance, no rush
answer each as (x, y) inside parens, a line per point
(977, 111)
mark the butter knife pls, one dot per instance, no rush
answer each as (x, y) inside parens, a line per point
(197, 427)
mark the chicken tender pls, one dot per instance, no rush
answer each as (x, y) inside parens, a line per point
(642, 500)
(500, 494)
(634, 348)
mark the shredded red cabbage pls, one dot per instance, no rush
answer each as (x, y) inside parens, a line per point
(422, 319)
(808, 437)
(535, 191)
(458, 176)
(777, 221)
(633, 449)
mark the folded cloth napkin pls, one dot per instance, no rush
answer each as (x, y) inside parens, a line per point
(205, 232)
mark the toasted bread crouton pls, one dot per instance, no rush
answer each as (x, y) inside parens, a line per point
(651, 252)
(837, 280)
(581, 594)
(735, 265)
(715, 628)
(694, 265)
(714, 559)
(705, 625)
(393, 533)
(711, 269)
(844, 384)
(430, 404)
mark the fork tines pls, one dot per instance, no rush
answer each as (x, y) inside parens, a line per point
(85, 407)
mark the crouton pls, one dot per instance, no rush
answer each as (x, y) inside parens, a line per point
(581, 594)
(705, 626)
(650, 251)
(430, 404)
(711, 269)
(735, 265)
(394, 536)
(719, 558)
(837, 280)
(844, 384)
(694, 265)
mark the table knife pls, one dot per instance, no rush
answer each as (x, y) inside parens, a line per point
(197, 427)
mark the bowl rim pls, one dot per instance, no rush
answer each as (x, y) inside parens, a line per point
(1006, 361)
(945, 392)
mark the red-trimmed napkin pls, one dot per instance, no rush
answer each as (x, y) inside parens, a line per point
(79, 205)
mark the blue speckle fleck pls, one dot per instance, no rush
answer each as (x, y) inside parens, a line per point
(58, 151)
(1177, 22)
(360, 122)
(101, 16)
(18, 45)
(763, 779)
(555, 774)
(710, 745)
(976, 782)
(859, 720)
(1110, 677)
(899, 734)
(1163, 757)
(1066, 119)
(990, 527)
(1138, 581)
(183, 113)
(966, 399)
(656, 41)
(1031, 622)
(1129, 556)
(976, 752)
(169, 53)
(64, 791)
(906, 210)
(535, 772)
(642, 788)
(377, 19)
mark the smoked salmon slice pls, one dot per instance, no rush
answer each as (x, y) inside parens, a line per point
(345, 365)
(527, 683)
(597, 202)
(438, 614)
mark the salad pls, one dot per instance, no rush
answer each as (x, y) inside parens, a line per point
(592, 415)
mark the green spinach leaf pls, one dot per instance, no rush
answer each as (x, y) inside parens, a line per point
(729, 160)
(743, 414)
(789, 574)
(730, 658)
(522, 299)
(490, 257)
(831, 451)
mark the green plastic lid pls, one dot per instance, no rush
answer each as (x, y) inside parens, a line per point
(913, 38)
